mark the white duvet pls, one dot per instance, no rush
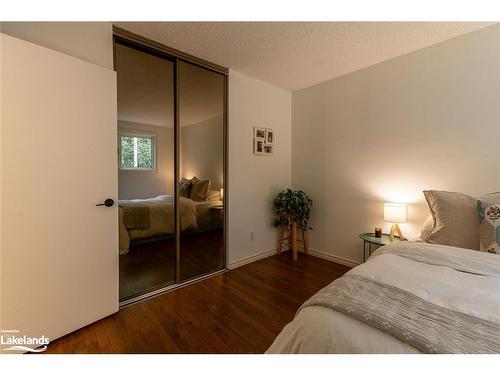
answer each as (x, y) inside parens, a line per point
(162, 220)
(318, 329)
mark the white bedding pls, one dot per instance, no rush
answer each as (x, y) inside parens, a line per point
(161, 212)
(321, 330)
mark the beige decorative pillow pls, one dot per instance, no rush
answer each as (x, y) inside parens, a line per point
(185, 187)
(427, 228)
(456, 220)
(199, 189)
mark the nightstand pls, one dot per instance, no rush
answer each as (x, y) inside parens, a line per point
(217, 217)
(369, 239)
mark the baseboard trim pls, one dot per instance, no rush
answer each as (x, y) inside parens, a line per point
(333, 258)
(251, 259)
(315, 253)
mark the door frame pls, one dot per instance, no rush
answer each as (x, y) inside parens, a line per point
(150, 46)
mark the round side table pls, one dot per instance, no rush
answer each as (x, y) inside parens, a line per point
(369, 239)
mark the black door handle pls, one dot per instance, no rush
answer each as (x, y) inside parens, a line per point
(108, 203)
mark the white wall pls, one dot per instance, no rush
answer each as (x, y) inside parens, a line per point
(255, 180)
(426, 120)
(89, 41)
(148, 184)
(202, 151)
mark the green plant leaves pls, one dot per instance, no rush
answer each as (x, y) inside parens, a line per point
(292, 203)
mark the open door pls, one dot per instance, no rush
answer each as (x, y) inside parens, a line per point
(59, 250)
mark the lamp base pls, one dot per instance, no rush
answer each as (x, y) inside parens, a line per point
(395, 229)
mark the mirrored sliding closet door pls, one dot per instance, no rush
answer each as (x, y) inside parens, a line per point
(171, 166)
(146, 150)
(201, 167)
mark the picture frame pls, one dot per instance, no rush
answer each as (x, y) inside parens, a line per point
(258, 146)
(269, 136)
(263, 141)
(259, 133)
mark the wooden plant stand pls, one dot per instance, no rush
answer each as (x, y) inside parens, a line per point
(292, 240)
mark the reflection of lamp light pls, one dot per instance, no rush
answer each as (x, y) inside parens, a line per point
(395, 213)
(221, 194)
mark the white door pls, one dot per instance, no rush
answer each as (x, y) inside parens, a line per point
(59, 251)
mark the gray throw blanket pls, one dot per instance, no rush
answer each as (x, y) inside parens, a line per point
(135, 215)
(422, 324)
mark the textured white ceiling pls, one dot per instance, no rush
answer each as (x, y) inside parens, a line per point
(295, 55)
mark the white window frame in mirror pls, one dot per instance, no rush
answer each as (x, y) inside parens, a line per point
(136, 135)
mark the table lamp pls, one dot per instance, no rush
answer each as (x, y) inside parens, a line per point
(395, 213)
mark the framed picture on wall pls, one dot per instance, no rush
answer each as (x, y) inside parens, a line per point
(268, 149)
(258, 146)
(259, 133)
(269, 136)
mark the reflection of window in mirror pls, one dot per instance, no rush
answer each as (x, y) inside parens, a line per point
(137, 152)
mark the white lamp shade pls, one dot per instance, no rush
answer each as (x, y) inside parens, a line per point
(395, 212)
(221, 193)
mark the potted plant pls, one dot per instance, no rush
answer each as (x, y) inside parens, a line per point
(292, 205)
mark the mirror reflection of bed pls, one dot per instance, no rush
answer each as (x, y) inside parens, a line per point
(147, 239)
(147, 243)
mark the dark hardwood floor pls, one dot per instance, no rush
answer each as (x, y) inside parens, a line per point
(240, 311)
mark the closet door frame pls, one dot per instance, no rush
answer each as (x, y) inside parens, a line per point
(139, 42)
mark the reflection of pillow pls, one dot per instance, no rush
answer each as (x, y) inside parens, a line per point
(489, 229)
(185, 188)
(199, 189)
(427, 228)
(213, 195)
(456, 222)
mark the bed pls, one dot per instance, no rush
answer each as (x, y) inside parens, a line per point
(154, 217)
(439, 294)
(410, 297)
